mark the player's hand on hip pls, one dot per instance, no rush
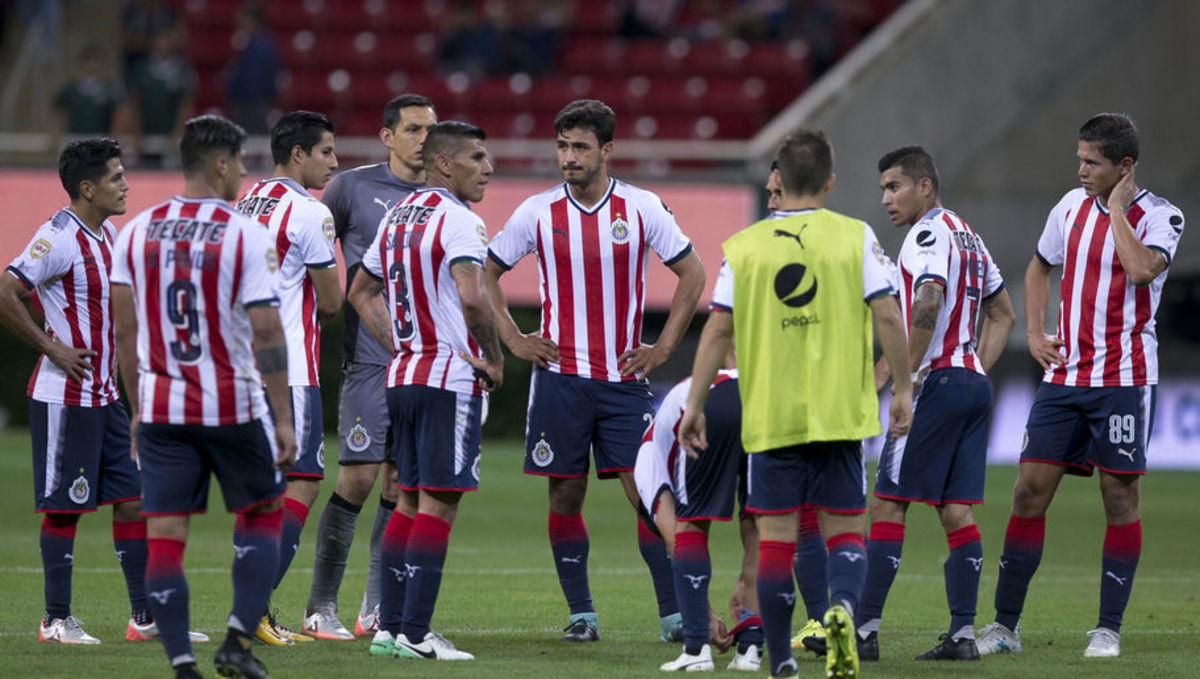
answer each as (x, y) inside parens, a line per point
(641, 360)
(74, 362)
(285, 440)
(1044, 349)
(489, 375)
(691, 433)
(535, 349)
(900, 414)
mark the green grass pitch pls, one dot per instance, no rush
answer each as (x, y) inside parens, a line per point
(501, 601)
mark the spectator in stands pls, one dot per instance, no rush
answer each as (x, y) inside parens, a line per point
(470, 42)
(532, 42)
(647, 18)
(252, 72)
(141, 20)
(161, 90)
(89, 103)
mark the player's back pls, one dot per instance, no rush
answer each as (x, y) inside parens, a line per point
(195, 265)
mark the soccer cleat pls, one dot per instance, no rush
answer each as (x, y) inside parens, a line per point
(325, 625)
(1105, 643)
(868, 648)
(841, 657)
(686, 662)
(812, 629)
(187, 671)
(383, 643)
(266, 633)
(787, 669)
(285, 633)
(64, 631)
(671, 628)
(749, 661)
(996, 638)
(581, 630)
(149, 631)
(367, 625)
(433, 647)
(952, 649)
(232, 660)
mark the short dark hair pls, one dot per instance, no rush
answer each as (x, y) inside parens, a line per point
(297, 128)
(916, 164)
(85, 160)
(805, 162)
(587, 114)
(445, 137)
(205, 135)
(1114, 133)
(391, 111)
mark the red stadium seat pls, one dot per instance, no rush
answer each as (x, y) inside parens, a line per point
(594, 17)
(593, 55)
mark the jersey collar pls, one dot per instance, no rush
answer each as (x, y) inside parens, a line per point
(612, 184)
(99, 237)
(1104, 210)
(444, 194)
(290, 183)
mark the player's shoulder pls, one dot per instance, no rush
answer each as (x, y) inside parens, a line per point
(358, 174)
(643, 198)
(1072, 199)
(1153, 204)
(542, 199)
(60, 226)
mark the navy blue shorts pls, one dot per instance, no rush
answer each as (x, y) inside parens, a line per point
(179, 460)
(705, 489)
(1087, 428)
(308, 423)
(570, 416)
(435, 438)
(827, 475)
(944, 455)
(81, 457)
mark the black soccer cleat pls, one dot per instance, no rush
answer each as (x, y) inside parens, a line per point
(868, 649)
(580, 631)
(952, 649)
(234, 659)
(188, 671)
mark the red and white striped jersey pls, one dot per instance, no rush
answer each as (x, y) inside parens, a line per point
(194, 266)
(68, 266)
(301, 227)
(592, 266)
(417, 243)
(1105, 322)
(942, 248)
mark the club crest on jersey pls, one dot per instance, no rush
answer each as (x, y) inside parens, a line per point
(620, 230)
(358, 439)
(80, 490)
(327, 227)
(483, 237)
(272, 260)
(542, 454)
(40, 248)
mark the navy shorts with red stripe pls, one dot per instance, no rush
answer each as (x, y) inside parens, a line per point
(81, 457)
(570, 416)
(178, 462)
(1088, 428)
(435, 438)
(710, 483)
(308, 425)
(827, 475)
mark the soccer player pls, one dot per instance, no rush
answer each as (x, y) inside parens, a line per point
(198, 334)
(79, 430)
(948, 278)
(428, 258)
(799, 290)
(310, 294)
(592, 235)
(685, 495)
(1095, 405)
(358, 200)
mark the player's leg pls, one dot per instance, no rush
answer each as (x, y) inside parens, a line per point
(961, 571)
(424, 560)
(570, 546)
(809, 568)
(692, 571)
(166, 537)
(883, 561)
(390, 500)
(747, 632)
(393, 583)
(653, 548)
(304, 477)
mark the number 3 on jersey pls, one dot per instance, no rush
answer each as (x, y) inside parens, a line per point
(403, 320)
(181, 311)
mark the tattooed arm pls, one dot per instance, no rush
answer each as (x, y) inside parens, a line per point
(477, 314)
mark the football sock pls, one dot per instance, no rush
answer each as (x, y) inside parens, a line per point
(1122, 548)
(847, 569)
(809, 565)
(569, 545)
(776, 598)
(692, 570)
(748, 631)
(57, 541)
(962, 579)
(294, 516)
(371, 594)
(1022, 552)
(331, 550)
(883, 560)
(168, 597)
(391, 554)
(654, 553)
(129, 543)
(255, 563)
(423, 558)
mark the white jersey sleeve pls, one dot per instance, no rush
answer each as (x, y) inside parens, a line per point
(260, 261)
(49, 255)
(518, 237)
(722, 295)
(651, 474)
(926, 253)
(120, 274)
(1164, 226)
(662, 232)
(467, 239)
(370, 258)
(879, 274)
(1051, 245)
(993, 282)
(314, 234)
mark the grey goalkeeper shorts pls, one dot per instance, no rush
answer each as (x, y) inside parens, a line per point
(363, 423)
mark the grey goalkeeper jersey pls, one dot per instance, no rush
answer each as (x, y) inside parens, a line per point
(358, 199)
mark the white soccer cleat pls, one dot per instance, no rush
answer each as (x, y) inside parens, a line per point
(383, 643)
(65, 631)
(433, 647)
(686, 662)
(996, 638)
(325, 625)
(149, 631)
(750, 661)
(367, 624)
(1105, 643)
